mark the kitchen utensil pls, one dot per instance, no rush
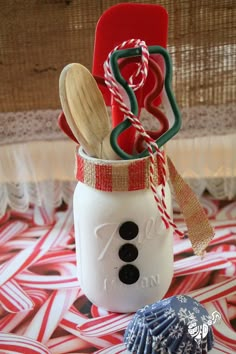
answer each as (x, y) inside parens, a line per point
(85, 110)
(119, 23)
(62, 122)
(169, 103)
(155, 78)
(151, 107)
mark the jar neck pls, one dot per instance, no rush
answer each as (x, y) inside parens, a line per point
(119, 175)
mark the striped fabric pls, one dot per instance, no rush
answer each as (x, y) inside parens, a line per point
(119, 176)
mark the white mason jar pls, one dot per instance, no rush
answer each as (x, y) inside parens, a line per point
(124, 252)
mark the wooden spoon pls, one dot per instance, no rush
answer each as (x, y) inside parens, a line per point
(85, 111)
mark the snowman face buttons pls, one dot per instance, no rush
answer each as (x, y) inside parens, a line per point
(129, 273)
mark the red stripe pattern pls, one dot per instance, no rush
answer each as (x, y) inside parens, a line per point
(103, 177)
(137, 175)
(122, 175)
(79, 168)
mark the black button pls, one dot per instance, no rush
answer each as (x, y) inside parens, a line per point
(129, 274)
(128, 252)
(128, 230)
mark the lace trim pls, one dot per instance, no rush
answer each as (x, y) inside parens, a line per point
(207, 163)
(39, 172)
(201, 121)
(16, 127)
(38, 125)
(19, 196)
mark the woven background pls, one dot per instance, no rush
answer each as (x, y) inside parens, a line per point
(39, 37)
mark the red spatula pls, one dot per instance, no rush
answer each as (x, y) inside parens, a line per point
(120, 23)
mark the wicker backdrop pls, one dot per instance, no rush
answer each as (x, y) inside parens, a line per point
(39, 37)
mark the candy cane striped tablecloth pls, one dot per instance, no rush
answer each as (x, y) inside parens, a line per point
(43, 309)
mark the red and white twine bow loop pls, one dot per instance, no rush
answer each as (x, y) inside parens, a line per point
(142, 70)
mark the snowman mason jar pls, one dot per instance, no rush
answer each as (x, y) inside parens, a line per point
(124, 252)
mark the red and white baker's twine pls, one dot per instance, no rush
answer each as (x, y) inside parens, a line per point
(142, 69)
